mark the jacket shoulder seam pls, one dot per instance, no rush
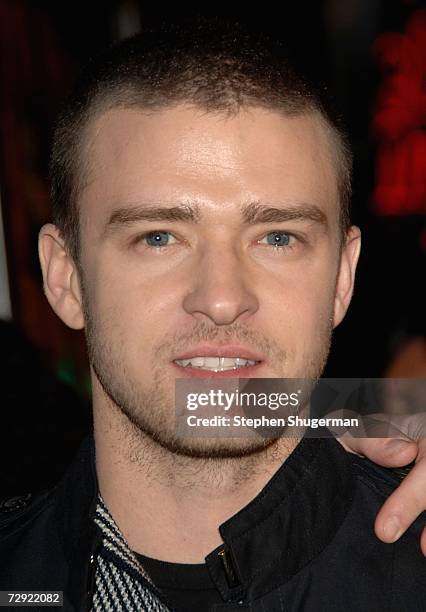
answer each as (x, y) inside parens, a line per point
(31, 511)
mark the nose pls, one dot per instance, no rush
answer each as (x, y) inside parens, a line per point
(220, 290)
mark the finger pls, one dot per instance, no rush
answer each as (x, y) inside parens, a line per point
(388, 452)
(403, 506)
(423, 542)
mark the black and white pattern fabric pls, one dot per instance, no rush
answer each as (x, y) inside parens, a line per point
(121, 583)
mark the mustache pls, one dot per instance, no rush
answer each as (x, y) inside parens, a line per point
(235, 333)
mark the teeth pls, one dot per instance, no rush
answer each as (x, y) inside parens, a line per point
(197, 362)
(215, 364)
(183, 362)
(230, 362)
(212, 362)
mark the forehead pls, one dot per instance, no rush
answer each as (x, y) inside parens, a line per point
(183, 153)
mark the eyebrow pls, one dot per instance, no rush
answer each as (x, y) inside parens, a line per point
(259, 213)
(129, 215)
(252, 213)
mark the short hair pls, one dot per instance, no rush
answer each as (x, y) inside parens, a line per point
(211, 63)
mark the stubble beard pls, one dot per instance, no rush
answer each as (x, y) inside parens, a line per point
(148, 406)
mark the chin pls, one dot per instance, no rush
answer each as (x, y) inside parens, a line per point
(216, 448)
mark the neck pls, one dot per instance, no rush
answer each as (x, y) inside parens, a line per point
(170, 506)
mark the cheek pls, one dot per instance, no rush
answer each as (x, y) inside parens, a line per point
(133, 309)
(298, 311)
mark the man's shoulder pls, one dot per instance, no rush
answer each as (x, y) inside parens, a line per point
(374, 485)
(383, 480)
(46, 524)
(13, 504)
(20, 509)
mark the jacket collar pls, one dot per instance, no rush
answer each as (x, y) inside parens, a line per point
(284, 527)
(287, 524)
(77, 495)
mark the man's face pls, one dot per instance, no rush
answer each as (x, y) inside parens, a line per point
(245, 265)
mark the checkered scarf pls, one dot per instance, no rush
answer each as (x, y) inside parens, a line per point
(121, 583)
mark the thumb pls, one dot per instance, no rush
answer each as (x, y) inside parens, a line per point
(388, 452)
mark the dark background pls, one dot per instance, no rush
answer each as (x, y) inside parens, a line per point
(368, 52)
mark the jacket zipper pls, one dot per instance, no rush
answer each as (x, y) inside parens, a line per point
(229, 568)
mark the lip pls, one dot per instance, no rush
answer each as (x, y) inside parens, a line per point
(234, 350)
(228, 350)
(243, 372)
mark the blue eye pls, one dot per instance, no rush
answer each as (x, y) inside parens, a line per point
(157, 239)
(278, 238)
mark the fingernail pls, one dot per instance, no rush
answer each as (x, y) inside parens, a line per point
(392, 529)
(396, 445)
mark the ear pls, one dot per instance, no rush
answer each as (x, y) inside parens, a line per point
(60, 277)
(346, 274)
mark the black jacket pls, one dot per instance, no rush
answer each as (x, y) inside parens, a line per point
(305, 543)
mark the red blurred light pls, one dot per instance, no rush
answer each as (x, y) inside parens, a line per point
(400, 120)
